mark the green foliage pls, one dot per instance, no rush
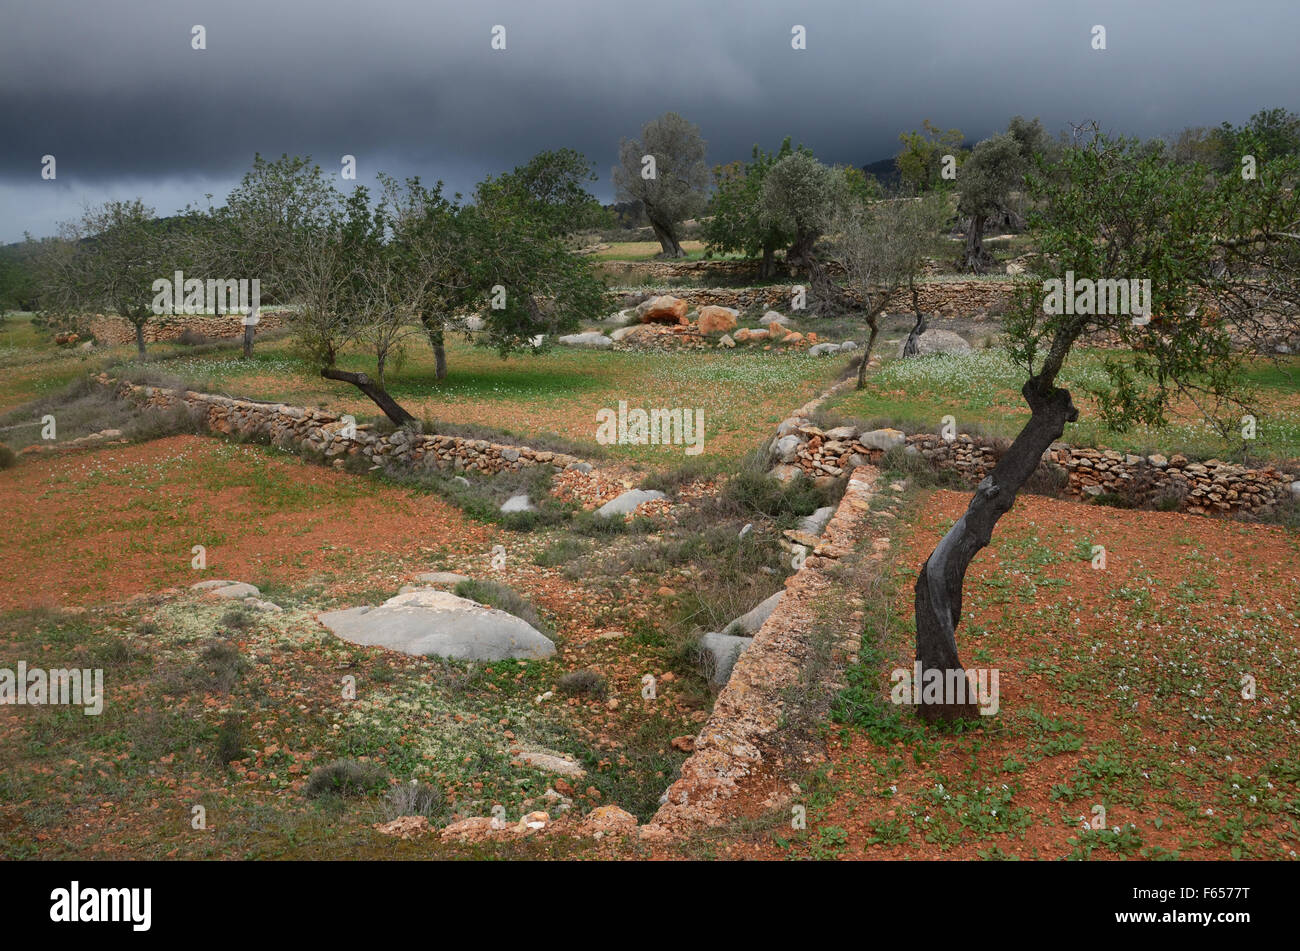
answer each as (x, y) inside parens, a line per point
(503, 599)
(1121, 209)
(345, 778)
(582, 683)
(677, 189)
(919, 162)
(737, 222)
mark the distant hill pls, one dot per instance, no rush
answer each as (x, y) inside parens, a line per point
(884, 171)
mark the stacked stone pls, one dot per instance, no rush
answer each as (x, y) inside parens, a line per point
(1202, 487)
(111, 330)
(296, 429)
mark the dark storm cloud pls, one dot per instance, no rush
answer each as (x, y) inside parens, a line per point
(116, 93)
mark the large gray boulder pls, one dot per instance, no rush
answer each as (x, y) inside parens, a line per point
(775, 317)
(823, 349)
(884, 439)
(719, 654)
(628, 501)
(756, 617)
(592, 338)
(441, 577)
(518, 503)
(787, 447)
(219, 588)
(814, 523)
(432, 623)
(938, 341)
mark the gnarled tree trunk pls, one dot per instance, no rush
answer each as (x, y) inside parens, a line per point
(911, 346)
(975, 259)
(825, 293)
(667, 237)
(377, 393)
(939, 586)
(434, 331)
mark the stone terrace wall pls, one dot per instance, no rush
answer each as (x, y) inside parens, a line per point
(936, 297)
(113, 330)
(295, 428)
(1201, 488)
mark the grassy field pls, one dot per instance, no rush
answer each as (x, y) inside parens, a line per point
(1121, 697)
(981, 391)
(742, 393)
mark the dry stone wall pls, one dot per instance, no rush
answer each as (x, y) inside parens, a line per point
(299, 429)
(112, 330)
(946, 298)
(1202, 488)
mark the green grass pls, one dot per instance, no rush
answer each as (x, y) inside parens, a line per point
(981, 391)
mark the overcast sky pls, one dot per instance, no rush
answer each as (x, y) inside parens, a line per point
(113, 89)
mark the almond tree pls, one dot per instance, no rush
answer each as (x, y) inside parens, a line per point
(1116, 208)
(879, 246)
(107, 260)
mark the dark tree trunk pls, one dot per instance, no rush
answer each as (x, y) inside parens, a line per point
(377, 393)
(248, 341)
(667, 237)
(910, 347)
(439, 358)
(767, 268)
(939, 586)
(139, 337)
(825, 293)
(433, 329)
(874, 324)
(975, 244)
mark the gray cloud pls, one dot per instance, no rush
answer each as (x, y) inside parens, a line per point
(116, 93)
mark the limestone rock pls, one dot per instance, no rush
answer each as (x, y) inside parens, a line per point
(628, 501)
(436, 623)
(592, 338)
(938, 341)
(720, 652)
(226, 589)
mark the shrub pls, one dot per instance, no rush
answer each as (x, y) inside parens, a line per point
(238, 618)
(414, 799)
(1048, 479)
(191, 338)
(560, 552)
(345, 778)
(230, 740)
(503, 599)
(158, 422)
(8, 458)
(219, 667)
(582, 683)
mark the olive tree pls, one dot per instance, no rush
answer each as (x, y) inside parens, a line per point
(665, 171)
(1118, 210)
(520, 271)
(736, 221)
(108, 259)
(802, 196)
(991, 177)
(880, 248)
